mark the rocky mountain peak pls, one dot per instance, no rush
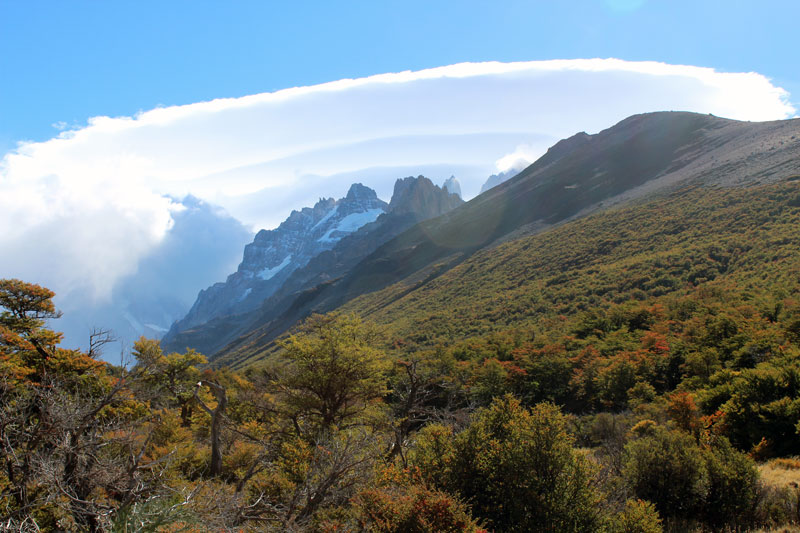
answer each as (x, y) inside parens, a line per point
(359, 192)
(274, 254)
(452, 186)
(421, 198)
(496, 179)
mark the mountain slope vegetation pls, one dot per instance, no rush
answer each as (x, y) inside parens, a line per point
(642, 156)
(745, 236)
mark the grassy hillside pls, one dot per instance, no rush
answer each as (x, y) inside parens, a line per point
(748, 236)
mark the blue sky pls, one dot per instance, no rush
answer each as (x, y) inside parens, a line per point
(63, 62)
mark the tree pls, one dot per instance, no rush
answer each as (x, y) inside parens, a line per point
(331, 374)
(667, 468)
(216, 414)
(422, 389)
(733, 486)
(683, 479)
(26, 306)
(176, 373)
(516, 467)
(71, 443)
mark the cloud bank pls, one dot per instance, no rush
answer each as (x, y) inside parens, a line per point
(81, 211)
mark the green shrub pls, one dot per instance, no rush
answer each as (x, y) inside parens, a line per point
(637, 517)
(732, 486)
(667, 468)
(517, 468)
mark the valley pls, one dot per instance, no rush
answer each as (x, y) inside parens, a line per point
(607, 341)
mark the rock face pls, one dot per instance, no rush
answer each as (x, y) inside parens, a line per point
(218, 317)
(421, 197)
(452, 186)
(274, 254)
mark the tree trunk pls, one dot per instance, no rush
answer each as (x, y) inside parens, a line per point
(216, 423)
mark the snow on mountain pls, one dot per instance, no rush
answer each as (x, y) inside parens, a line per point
(274, 254)
(351, 223)
(452, 186)
(269, 273)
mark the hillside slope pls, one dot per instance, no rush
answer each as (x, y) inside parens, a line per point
(641, 156)
(685, 240)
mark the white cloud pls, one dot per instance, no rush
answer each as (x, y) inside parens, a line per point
(521, 157)
(81, 210)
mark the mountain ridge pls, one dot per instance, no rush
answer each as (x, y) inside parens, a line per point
(640, 156)
(274, 254)
(413, 200)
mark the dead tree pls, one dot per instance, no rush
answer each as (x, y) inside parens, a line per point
(216, 415)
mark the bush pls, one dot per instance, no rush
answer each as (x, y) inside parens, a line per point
(637, 517)
(732, 486)
(718, 485)
(516, 467)
(415, 509)
(668, 469)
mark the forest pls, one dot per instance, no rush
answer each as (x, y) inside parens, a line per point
(632, 371)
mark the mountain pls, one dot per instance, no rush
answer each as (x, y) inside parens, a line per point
(273, 255)
(496, 179)
(642, 156)
(220, 315)
(452, 186)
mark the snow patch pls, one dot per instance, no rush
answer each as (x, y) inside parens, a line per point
(246, 293)
(325, 218)
(351, 223)
(157, 328)
(268, 273)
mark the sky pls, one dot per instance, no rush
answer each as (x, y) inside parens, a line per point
(64, 62)
(112, 112)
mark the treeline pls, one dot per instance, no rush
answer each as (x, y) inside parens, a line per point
(640, 417)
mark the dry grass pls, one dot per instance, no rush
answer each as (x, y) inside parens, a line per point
(784, 472)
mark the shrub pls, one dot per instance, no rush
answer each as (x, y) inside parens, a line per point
(717, 484)
(516, 467)
(414, 509)
(667, 468)
(637, 517)
(732, 486)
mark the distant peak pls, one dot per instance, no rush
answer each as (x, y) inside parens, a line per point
(452, 186)
(403, 185)
(322, 202)
(422, 198)
(358, 191)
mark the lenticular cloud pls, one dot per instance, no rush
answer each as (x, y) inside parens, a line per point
(82, 210)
